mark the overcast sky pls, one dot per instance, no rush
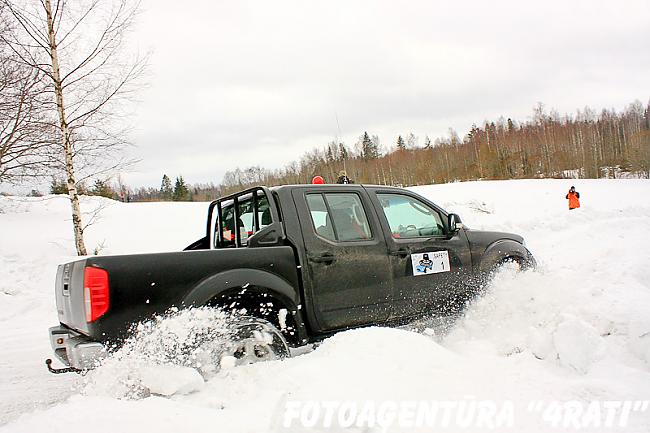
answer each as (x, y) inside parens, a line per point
(240, 83)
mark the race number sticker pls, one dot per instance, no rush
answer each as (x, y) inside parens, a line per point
(430, 263)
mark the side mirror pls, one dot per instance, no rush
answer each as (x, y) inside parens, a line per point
(455, 223)
(270, 235)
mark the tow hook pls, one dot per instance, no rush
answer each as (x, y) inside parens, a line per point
(48, 362)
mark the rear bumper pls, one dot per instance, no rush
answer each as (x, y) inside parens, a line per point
(75, 349)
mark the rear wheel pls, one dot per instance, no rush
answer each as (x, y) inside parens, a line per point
(250, 340)
(255, 340)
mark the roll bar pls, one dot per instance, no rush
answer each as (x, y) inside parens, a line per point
(275, 214)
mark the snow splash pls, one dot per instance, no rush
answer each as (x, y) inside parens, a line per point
(170, 354)
(560, 318)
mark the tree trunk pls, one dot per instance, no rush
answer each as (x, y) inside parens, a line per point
(65, 136)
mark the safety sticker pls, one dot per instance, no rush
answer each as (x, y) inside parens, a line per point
(430, 263)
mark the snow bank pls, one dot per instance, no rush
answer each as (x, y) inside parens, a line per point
(576, 329)
(172, 379)
(578, 344)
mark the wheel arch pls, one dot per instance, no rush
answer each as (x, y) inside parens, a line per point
(503, 250)
(247, 287)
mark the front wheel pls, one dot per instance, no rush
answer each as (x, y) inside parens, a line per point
(511, 262)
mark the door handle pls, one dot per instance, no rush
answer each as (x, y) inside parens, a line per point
(326, 258)
(400, 253)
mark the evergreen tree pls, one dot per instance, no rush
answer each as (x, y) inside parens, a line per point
(166, 191)
(181, 192)
(329, 155)
(58, 186)
(343, 152)
(103, 189)
(368, 148)
(400, 143)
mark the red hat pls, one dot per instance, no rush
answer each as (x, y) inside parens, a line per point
(318, 180)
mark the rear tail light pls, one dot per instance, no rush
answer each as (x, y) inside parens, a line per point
(96, 293)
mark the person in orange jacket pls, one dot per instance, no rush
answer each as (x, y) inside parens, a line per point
(574, 198)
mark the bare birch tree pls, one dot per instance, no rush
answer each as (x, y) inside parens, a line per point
(25, 133)
(79, 46)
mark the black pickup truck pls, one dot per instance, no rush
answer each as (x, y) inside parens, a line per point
(298, 261)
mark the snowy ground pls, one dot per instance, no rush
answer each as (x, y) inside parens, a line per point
(577, 329)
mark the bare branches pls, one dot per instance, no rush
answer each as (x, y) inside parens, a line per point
(27, 21)
(78, 48)
(94, 216)
(25, 132)
(96, 78)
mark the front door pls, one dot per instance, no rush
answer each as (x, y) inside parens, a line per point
(429, 268)
(348, 269)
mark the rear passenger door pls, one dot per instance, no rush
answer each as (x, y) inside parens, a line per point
(348, 272)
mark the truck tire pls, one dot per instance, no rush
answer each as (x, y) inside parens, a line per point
(520, 263)
(255, 340)
(511, 261)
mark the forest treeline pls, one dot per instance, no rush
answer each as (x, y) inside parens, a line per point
(548, 145)
(584, 145)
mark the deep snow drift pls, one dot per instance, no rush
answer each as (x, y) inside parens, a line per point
(576, 329)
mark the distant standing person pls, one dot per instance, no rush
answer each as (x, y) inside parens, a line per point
(574, 198)
(343, 178)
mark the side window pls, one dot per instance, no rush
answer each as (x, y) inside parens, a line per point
(350, 221)
(228, 225)
(246, 218)
(339, 217)
(409, 217)
(320, 216)
(263, 211)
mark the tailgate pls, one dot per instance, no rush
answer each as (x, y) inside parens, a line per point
(70, 297)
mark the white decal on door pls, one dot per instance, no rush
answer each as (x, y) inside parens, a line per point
(430, 263)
